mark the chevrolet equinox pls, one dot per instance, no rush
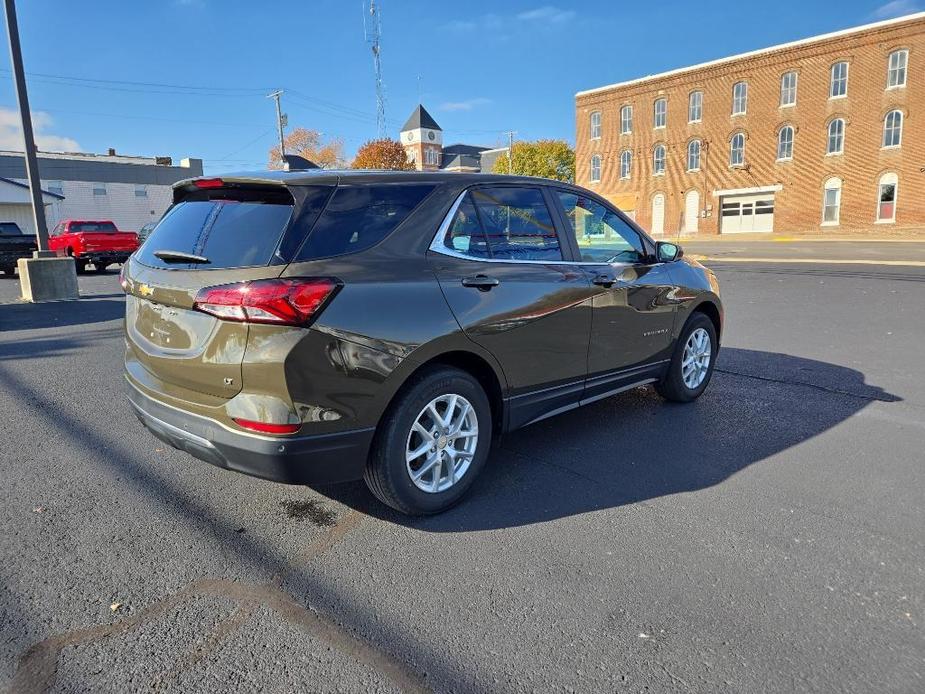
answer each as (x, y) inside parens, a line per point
(325, 326)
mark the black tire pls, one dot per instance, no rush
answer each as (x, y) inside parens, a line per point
(100, 267)
(672, 385)
(8, 270)
(387, 474)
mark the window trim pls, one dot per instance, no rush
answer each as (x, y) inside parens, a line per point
(664, 149)
(744, 111)
(847, 64)
(99, 186)
(599, 126)
(629, 130)
(732, 138)
(629, 174)
(895, 183)
(699, 155)
(690, 98)
(828, 136)
(796, 84)
(889, 69)
(655, 125)
(569, 246)
(600, 168)
(825, 189)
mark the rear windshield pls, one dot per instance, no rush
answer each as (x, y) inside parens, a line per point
(81, 227)
(358, 217)
(229, 233)
(10, 229)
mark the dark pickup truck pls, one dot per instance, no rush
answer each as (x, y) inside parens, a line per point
(14, 245)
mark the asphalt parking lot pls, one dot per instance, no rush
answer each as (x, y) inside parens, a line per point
(768, 538)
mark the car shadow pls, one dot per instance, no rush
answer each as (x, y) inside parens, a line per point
(97, 309)
(636, 446)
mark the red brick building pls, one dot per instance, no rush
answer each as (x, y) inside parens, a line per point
(824, 134)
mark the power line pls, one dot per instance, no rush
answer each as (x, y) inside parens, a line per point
(143, 84)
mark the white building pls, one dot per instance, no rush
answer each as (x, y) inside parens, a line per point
(130, 191)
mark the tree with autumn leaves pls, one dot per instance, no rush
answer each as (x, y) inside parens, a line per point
(544, 158)
(382, 154)
(308, 144)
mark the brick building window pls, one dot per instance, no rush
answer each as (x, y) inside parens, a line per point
(431, 157)
(836, 143)
(596, 168)
(739, 98)
(785, 143)
(886, 198)
(896, 74)
(626, 164)
(893, 129)
(695, 107)
(838, 85)
(626, 120)
(788, 89)
(660, 113)
(693, 155)
(658, 160)
(596, 125)
(737, 150)
(831, 202)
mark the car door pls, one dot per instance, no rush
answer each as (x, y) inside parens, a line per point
(507, 276)
(633, 310)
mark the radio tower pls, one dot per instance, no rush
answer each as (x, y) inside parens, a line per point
(372, 29)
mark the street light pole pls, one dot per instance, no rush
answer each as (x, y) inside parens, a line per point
(32, 164)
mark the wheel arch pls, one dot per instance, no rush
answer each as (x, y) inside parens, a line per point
(712, 311)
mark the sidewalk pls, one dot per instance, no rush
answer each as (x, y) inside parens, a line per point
(875, 236)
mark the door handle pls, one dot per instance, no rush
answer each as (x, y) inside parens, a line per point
(604, 280)
(481, 282)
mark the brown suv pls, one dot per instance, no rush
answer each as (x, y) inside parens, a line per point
(323, 326)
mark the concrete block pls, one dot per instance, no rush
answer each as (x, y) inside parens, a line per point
(47, 279)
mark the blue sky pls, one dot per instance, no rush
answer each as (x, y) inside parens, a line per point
(482, 67)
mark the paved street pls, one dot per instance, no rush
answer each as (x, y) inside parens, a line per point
(768, 538)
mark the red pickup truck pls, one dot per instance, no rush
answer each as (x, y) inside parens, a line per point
(100, 243)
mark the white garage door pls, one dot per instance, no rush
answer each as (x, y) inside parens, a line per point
(747, 213)
(658, 214)
(691, 211)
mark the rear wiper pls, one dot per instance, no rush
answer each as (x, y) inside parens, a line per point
(181, 257)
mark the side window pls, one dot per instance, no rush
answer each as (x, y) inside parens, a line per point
(602, 235)
(465, 234)
(517, 224)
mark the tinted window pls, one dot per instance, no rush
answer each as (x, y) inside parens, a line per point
(465, 234)
(358, 217)
(80, 227)
(603, 236)
(10, 229)
(517, 224)
(227, 232)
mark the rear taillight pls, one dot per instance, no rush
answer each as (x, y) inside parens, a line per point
(264, 428)
(289, 301)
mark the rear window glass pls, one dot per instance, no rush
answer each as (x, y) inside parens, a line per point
(358, 217)
(227, 232)
(82, 227)
(10, 229)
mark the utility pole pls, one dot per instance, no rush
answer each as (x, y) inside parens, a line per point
(372, 32)
(280, 117)
(510, 151)
(32, 164)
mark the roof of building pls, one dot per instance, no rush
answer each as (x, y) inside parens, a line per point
(490, 156)
(461, 161)
(762, 51)
(23, 185)
(420, 118)
(460, 148)
(101, 168)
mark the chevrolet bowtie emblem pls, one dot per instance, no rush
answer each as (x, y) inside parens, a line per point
(145, 290)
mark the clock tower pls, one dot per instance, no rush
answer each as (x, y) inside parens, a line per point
(422, 139)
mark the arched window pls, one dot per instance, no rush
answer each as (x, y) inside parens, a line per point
(886, 198)
(739, 98)
(595, 168)
(831, 202)
(695, 107)
(896, 71)
(596, 125)
(693, 155)
(893, 129)
(626, 163)
(660, 113)
(626, 120)
(836, 143)
(737, 150)
(785, 143)
(658, 160)
(838, 84)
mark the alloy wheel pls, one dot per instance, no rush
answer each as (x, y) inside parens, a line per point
(442, 443)
(695, 362)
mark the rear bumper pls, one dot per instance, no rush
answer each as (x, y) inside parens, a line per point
(319, 459)
(9, 258)
(105, 256)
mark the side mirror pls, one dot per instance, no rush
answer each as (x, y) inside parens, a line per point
(668, 252)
